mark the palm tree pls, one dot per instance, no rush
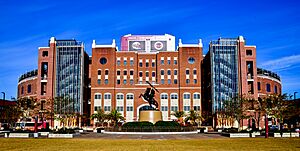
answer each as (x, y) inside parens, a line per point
(194, 117)
(179, 115)
(115, 116)
(100, 116)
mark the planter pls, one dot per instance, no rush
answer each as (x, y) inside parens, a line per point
(277, 135)
(18, 135)
(235, 135)
(60, 136)
(44, 133)
(294, 134)
(286, 135)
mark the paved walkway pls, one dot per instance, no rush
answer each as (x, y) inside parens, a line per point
(151, 137)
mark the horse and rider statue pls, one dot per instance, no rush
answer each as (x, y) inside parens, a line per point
(149, 96)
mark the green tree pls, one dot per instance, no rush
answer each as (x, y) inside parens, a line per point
(194, 117)
(100, 116)
(179, 115)
(115, 116)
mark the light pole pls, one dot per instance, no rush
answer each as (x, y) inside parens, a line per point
(3, 95)
(295, 95)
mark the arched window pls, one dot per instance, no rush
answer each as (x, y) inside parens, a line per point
(164, 96)
(120, 96)
(196, 95)
(174, 96)
(97, 96)
(107, 96)
(186, 96)
(129, 96)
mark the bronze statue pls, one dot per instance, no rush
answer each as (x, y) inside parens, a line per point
(149, 95)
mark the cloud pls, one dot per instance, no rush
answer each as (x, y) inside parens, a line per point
(283, 63)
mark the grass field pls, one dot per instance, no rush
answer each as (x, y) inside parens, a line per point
(151, 145)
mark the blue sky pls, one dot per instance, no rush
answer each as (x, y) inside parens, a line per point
(273, 26)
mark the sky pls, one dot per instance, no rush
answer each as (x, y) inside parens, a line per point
(273, 26)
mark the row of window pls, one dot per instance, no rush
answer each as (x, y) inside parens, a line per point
(162, 72)
(162, 108)
(28, 89)
(130, 96)
(268, 87)
(162, 62)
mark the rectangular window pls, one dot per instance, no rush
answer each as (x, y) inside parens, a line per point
(106, 108)
(169, 62)
(195, 71)
(174, 96)
(106, 81)
(196, 96)
(147, 64)
(162, 72)
(169, 81)
(147, 74)
(125, 72)
(186, 96)
(107, 96)
(99, 81)
(118, 72)
(174, 108)
(153, 64)
(131, 81)
(140, 74)
(99, 72)
(162, 62)
(141, 64)
(195, 81)
(118, 62)
(258, 86)
(129, 97)
(268, 87)
(169, 72)
(153, 74)
(131, 62)
(275, 89)
(29, 88)
(186, 108)
(196, 108)
(106, 72)
(124, 81)
(125, 62)
(175, 81)
(164, 108)
(131, 72)
(97, 108)
(118, 81)
(162, 81)
(45, 54)
(98, 96)
(120, 108)
(187, 81)
(175, 62)
(175, 72)
(120, 97)
(187, 71)
(249, 52)
(129, 108)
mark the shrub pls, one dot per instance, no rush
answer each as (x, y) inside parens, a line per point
(137, 124)
(167, 124)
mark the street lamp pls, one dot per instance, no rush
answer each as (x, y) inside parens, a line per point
(295, 95)
(3, 95)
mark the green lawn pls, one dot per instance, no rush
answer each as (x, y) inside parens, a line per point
(151, 145)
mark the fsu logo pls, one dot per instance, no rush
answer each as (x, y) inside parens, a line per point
(158, 45)
(136, 45)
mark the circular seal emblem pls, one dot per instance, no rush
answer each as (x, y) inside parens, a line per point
(158, 45)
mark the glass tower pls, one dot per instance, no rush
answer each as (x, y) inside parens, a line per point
(224, 71)
(69, 76)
